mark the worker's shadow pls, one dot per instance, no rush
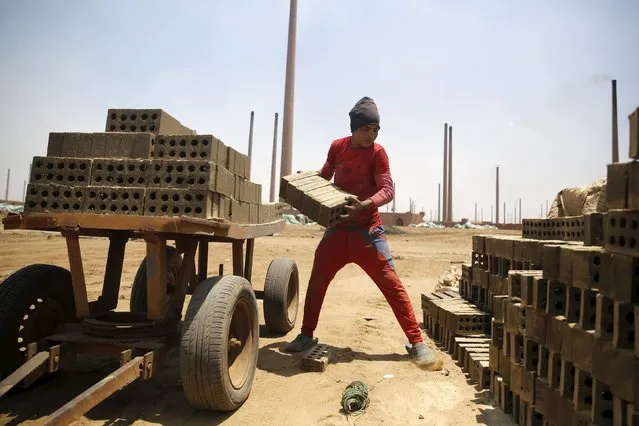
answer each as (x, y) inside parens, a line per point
(273, 359)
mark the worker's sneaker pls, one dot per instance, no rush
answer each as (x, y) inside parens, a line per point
(301, 342)
(424, 357)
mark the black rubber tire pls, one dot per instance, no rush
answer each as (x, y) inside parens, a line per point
(42, 293)
(138, 289)
(281, 295)
(204, 345)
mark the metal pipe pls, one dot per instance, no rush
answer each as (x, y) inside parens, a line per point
(250, 147)
(615, 124)
(439, 200)
(6, 193)
(497, 196)
(274, 161)
(289, 94)
(445, 193)
(450, 174)
(504, 213)
(520, 210)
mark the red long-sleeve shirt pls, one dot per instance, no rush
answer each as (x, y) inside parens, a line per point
(363, 172)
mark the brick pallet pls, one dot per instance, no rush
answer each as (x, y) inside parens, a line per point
(146, 163)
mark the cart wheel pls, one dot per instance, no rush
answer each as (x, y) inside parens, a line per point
(219, 344)
(281, 295)
(138, 289)
(35, 300)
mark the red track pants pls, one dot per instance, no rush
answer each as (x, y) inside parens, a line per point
(368, 249)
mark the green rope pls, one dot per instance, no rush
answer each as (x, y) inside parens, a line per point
(355, 397)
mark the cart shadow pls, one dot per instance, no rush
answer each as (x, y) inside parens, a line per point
(159, 400)
(274, 360)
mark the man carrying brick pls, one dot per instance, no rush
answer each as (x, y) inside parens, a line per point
(361, 168)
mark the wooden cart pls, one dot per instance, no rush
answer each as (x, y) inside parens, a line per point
(46, 318)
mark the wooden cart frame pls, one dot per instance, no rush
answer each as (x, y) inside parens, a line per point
(141, 338)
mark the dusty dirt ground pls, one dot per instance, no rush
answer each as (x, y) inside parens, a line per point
(355, 319)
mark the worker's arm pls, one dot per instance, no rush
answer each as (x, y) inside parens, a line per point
(328, 169)
(383, 180)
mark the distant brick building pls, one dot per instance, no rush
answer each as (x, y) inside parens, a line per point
(401, 219)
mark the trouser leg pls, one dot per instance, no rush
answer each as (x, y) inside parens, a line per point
(331, 255)
(374, 257)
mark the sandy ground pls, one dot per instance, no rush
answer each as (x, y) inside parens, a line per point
(355, 319)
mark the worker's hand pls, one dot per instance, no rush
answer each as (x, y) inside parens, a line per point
(355, 206)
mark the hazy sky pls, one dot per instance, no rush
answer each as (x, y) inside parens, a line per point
(525, 85)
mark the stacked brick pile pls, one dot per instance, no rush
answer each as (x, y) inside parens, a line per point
(314, 196)
(563, 300)
(145, 163)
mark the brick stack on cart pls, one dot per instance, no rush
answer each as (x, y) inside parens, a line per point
(563, 301)
(145, 163)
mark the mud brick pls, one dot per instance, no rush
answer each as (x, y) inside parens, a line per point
(292, 179)
(557, 298)
(253, 212)
(588, 310)
(239, 188)
(479, 243)
(239, 212)
(574, 228)
(604, 318)
(200, 203)
(617, 368)
(504, 366)
(76, 145)
(224, 181)
(602, 405)
(617, 186)
(621, 232)
(318, 358)
(582, 341)
(311, 199)
(623, 282)
(120, 172)
(154, 121)
(528, 286)
(633, 127)
(623, 333)
(522, 382)
(493, 358)
(551, 256)
(532, 228)
(467, 321)
(516, 348)
(573, 304)
(507, 398)
(231, 154)
(128, 145)
(242, 165)
(54, 198)
(253, 192)
(536, 324)
(583, 394)
(624, 413)
(115, 200)
(539, 293)
(54, 147)
(565, 264)
(295, 189)
(531, 355)
(330, 212)
(544, 359)
(633, 186)
(589, 266)
(542, 390)
(515, 320)
(567, 381)
(98, 145)
(498, 306)
(554, 368)
(61, 171)
(554, 332)
(484, 279)
(594, 229)
(567, 341)
(182, 174)
(504, 246)
(187, 147)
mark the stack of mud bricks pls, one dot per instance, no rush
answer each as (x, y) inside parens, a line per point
(145, 163)
(314, 196)
(461, 328)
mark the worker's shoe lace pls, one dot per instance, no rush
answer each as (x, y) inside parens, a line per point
(424, 357)
(301, 342)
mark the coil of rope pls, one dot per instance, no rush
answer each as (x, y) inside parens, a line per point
(355, 397)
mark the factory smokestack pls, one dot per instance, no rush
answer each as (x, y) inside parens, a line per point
(445, 192)
(250, 147)
(289, 94)
(274, 161)
(439, 199)
(497, 196)
(615, 125)
(450, 174)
